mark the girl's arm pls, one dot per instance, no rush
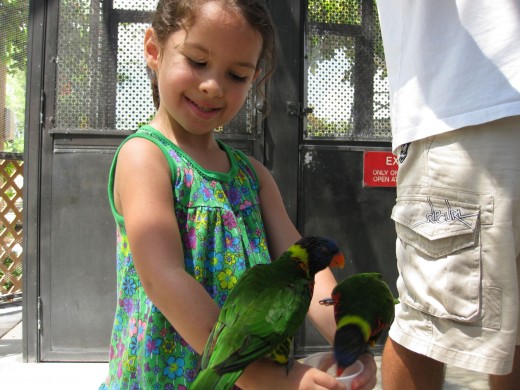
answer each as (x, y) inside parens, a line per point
(143, 195)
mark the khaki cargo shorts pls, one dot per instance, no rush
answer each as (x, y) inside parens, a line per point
(457, 218)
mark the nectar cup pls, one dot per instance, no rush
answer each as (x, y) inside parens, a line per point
(347, 376)
(349, 373)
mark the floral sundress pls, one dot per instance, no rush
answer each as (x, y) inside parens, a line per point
(223, 235)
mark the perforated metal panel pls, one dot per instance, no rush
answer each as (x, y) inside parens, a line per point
(347, 88)
(139, 5)
(101, 73)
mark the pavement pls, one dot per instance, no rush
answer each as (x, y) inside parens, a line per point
(15, 374)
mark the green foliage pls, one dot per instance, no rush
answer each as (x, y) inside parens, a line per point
(318, 127)
(15, 100)
(13, 60)
(16, 145)
(13, 39)
(334, 11)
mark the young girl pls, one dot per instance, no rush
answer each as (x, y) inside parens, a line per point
(193, 214)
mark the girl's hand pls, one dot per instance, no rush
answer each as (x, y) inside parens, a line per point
(310, 378)
(265, 374)
(368, 378)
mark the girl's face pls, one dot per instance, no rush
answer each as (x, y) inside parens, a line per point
(204, 74)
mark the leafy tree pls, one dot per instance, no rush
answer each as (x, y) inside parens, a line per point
(13, 51)
(13, 40)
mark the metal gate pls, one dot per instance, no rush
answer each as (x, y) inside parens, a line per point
(330, 110)
(88, 89)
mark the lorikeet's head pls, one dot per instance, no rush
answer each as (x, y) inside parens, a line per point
(316, 254)
(349, 344)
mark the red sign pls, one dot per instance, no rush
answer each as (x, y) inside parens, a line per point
(379, 169)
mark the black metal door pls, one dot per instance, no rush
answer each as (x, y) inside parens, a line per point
(330, 107)
(88, 90)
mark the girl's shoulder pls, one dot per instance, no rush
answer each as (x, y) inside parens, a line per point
(148, 143)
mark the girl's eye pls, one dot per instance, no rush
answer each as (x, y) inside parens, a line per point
(200, 63)
(240, 79)
(196, 63)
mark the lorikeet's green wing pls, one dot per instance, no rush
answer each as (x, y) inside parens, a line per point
(260, 313)
(266, 328)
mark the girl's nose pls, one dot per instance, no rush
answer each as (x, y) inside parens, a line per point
(212, 86)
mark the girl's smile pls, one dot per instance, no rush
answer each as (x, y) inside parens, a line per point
(203, 108)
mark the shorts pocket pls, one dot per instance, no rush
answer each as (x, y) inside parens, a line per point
(438, 256)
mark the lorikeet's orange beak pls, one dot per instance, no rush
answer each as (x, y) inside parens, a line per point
(337, 261)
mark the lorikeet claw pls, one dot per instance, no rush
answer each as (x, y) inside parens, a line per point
(327, 302)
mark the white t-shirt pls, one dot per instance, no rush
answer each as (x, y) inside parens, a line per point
(451, 63)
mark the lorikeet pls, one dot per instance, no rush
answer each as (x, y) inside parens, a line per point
(363, 308)
(265, 309)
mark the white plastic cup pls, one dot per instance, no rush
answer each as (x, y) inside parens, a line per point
(349, 373)
(316, 359)
(347, 376)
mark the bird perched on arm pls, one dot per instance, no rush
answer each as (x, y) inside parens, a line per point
(363, 308)
(264, 309)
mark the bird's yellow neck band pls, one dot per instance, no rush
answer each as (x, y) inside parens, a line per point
(355, 320)
(299, 252)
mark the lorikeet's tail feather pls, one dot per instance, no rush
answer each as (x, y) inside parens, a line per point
(284, 354)
(208, 379)
(349, 344)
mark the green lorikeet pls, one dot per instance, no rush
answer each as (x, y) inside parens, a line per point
(363, 308)
(265, 309)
